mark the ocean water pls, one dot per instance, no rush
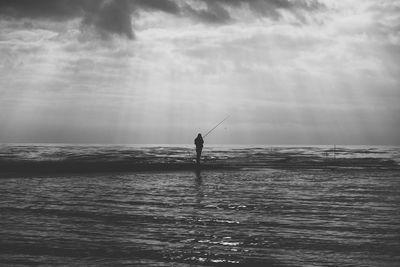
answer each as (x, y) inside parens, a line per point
(99, 158)
(248, 206)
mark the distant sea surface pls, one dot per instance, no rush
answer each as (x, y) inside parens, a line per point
(93, 205)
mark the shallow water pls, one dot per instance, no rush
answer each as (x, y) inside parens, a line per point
(58, 158)
(261, 217)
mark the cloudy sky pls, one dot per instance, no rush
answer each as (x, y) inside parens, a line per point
(160, 71)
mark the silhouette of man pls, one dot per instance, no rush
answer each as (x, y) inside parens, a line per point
(199, 147)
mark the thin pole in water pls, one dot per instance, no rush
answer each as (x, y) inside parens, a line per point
(216, 126)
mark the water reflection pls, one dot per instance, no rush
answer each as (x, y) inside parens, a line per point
(198, 175)
(198, 187)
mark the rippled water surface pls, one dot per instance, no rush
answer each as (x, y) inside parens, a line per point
(275, 217)
(249, 216)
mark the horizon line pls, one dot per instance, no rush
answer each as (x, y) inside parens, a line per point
(184, 144)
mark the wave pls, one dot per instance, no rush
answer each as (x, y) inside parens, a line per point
(87, 159)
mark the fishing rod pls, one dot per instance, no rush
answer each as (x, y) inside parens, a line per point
(216, 126)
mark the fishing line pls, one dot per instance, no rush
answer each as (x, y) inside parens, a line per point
(216, 126)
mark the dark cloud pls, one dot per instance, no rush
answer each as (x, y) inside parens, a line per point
(110, 17)
(106, 16)
(213, 13)
(216, 11)
(56, 9)
(114, 16)
(163, 5)
(262, 5)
